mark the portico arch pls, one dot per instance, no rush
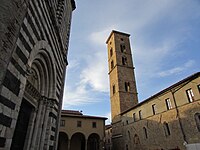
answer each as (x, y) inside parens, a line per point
(93, 142)
(63, 141)
(77, 141)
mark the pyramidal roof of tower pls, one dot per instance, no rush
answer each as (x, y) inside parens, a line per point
(118, 32)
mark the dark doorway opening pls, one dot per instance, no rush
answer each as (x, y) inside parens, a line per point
(21, 126)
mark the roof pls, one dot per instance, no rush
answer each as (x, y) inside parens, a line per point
(74, 113)
(108, 126)
(189, 78)
(118, 32)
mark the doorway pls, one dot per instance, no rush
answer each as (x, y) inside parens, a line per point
(19, 136)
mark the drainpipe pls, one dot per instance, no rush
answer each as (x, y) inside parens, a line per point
(178, 115)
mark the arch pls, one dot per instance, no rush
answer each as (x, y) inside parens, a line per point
(42, 55)
(93, 142)
(77, 141)
(63, 141)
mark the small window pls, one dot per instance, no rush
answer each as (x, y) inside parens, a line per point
(62, 123)
(129, 135)
(113, 89)
(111, 52)
(94, 124)
(168, 104)
(124, 60)
(166, 129)
(140, 114)
(190, 95)
(145, 132)
(198, 86)
(127, 86)
(122, 39)
(123, 48)
(154, 109)
(126, 121)
(79, 123)
(112, 64)
(134, 117)
(126, 146)
(197, 119)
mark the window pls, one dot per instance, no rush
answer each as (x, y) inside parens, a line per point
(79, 123)
(113, 89)
(168, 104)
(129, 135)
(166, 129)
(94, 124)
(124, 60)
(62, 123)
(197, 119)
(126, 147)
(123, 48)
(154, 109)
(190, 95)
(145, 132)
(134, 117)
(126, 121)
(112, 64)
(140, 114)
(198, 86)
(127, 86)
(111, 52)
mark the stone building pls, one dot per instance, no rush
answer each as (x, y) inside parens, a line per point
(34, 37)
(81, 132)
(168, 120)
(108, 137)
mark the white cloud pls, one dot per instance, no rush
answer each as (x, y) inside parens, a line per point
(100, 37)
(176, 70)
(108, 115)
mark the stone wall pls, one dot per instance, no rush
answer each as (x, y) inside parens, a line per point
(32, 62)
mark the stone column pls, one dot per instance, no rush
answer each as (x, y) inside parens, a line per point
(85, 144)
(35, 131)
(41, 124)
(49, 104)
(69, 142)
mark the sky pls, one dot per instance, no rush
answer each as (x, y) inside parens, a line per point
(165, 42)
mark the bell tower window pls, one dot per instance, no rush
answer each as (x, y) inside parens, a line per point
(122, 48)
(127, 86)
(124, 60)
(112, 64)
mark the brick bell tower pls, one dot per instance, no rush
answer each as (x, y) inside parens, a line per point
(123, 91)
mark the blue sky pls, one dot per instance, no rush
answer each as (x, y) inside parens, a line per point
(165, 41)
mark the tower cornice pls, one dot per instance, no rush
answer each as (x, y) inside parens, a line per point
(114, 31)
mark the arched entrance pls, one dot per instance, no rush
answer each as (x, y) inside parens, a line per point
(93, 142)
(63, 141)
(77, 142)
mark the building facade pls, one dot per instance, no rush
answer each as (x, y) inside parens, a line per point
(34, 36)
(168, 120)
(108, 137)
(81, 132)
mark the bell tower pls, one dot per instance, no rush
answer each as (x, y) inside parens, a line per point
(123, 92)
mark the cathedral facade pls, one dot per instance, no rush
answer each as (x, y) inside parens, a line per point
(168, 120)
(34, 37)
